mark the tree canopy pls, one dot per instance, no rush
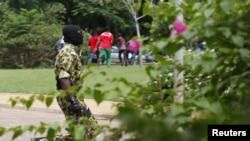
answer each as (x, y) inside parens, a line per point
(25, 26)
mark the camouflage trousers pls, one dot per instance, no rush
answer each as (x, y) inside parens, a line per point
(84, 112)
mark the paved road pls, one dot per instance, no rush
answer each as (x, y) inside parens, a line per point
(10, 117)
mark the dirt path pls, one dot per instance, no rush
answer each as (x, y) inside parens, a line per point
(19, 116)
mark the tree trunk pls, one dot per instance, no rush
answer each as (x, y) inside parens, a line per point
(139, 36)
(178, 74)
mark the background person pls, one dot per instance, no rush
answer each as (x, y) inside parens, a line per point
(68, 72)
(106, 39)
(133, 48)
(200, 46)
(93, 47)
(59, 44)
(122, 50)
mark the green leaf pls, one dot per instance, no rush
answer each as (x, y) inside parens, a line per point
(238, 40)
(98, 96)
(49, 101)
(196, 6)
(29, 102)
(17, 132)
(26, 102)
(125, 81)
(172, 48)
(176, 109)
(40, 97)
(98, 85)
(226, 32)
(41, 129)
(244, 54)
(209, 22)
(29, 128)
(54, 125)
(103, 73)
(213, 107)
(203, 103)
(13, 101)
(51, 134)
(209, 33)
(182, 119)
(169, 91)
(148, 70)
(149, 110)
(209, 65)
(226, 5)
(79, 132)
(216, 108)
(161, 44)
(2, 131)
(188, 35)
(146, 9)
(126, 112)
(208, 12)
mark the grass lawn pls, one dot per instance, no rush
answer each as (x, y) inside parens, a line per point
(41, 81)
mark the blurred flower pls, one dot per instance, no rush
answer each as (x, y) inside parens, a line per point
(178, 27)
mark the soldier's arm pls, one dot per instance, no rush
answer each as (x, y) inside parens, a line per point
(65, 62)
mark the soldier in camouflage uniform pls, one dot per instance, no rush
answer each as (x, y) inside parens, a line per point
(68, 72)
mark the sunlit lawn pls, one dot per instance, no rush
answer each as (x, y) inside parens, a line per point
(41, 81)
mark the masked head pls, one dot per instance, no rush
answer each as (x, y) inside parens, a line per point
(72, 34)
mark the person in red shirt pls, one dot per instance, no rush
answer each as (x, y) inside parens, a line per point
(106, 40)
(93, 47)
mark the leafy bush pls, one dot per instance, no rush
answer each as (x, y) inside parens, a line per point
(216, 83)
(27, 35)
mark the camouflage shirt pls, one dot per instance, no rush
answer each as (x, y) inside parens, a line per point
(68, 63)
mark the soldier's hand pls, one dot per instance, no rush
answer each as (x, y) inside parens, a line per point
(75, 107)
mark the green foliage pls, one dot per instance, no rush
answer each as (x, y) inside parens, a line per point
(161, 24)
(27, 40)
(101, 15)
(216, 82)
(22, 23)
(16, 5)
(29, 34)
(31, 28)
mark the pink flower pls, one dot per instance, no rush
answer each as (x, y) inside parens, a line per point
(178, 27)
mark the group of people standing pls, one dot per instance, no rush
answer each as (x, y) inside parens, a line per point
(101, 46)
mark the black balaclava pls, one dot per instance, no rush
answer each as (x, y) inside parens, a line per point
(72, 34)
